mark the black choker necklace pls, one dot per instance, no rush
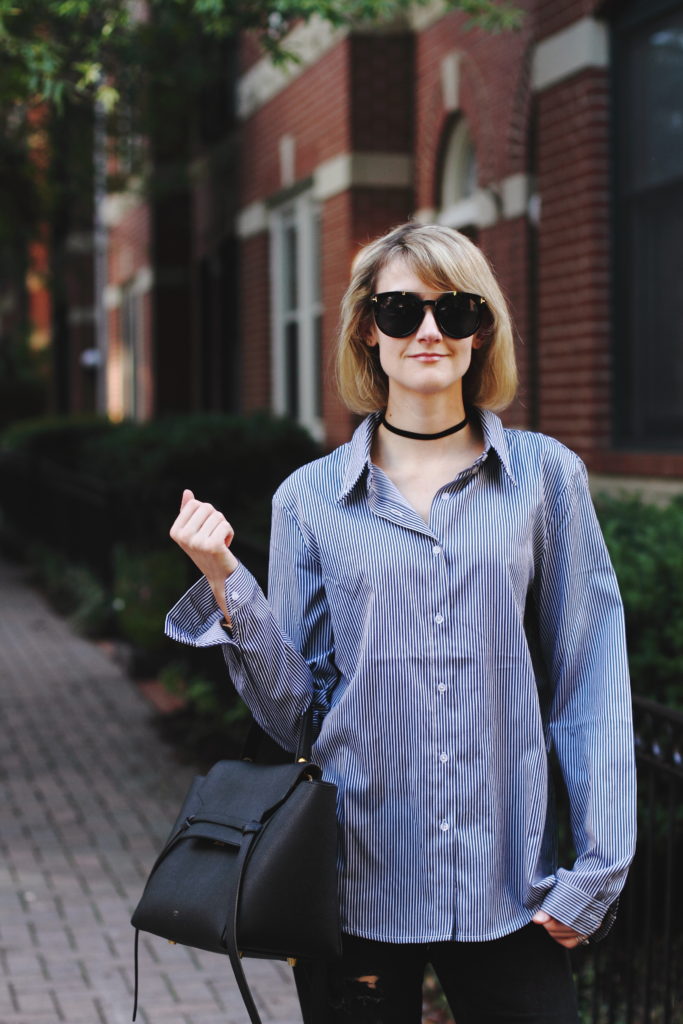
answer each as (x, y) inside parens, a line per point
(424, 437)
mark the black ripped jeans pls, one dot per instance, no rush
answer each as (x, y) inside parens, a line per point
(523, 978)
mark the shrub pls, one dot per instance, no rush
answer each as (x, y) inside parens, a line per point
(646, 545)
(146, 584)
(74, 590)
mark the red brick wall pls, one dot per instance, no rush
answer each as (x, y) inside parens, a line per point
(574, 262)
(381, 93)
(129, 244)
(555, 15)
(314, 109)
(254, 294)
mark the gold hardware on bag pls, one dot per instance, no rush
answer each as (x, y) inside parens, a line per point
(171, 942)
(302, 760)
(240, 954)
(291, 960)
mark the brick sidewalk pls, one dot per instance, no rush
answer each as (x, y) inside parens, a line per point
(89, 794)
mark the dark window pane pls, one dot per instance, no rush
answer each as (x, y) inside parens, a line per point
(292, 369)
(317, 366)
(654, 92)
(317, 256)
(290, 249)
(648, 105)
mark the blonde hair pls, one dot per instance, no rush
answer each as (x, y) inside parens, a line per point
(446, 261)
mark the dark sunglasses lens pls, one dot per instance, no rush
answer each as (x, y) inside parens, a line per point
(459, 316)
(397, 315)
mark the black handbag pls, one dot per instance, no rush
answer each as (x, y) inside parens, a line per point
(249, 868)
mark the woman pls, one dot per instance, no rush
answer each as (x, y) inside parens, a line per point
(440, 591)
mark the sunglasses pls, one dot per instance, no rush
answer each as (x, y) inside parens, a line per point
(457, 314)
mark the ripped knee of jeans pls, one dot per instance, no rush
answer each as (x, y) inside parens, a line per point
(370, 980)
(359, 996)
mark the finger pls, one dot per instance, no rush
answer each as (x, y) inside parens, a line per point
(212, 530)
(221, 529)
(187, 508)
(190, 520)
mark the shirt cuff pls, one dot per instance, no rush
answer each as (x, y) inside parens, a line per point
(196, 618)
(575, 908)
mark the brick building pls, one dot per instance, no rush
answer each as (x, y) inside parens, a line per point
(558, 147)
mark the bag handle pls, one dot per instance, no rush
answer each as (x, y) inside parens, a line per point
(256, 733)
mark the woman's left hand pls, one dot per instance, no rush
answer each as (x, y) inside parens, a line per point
(561, 933)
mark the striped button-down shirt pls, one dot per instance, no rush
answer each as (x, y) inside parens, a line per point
(448, 659)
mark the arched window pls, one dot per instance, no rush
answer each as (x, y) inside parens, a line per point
(462, 204)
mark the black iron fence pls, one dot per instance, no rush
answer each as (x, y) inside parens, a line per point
(636, 975)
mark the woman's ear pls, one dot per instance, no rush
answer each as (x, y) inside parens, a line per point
(477, 340)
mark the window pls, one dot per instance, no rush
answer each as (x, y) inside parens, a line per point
(463, 205)
(297, 312)
(648, 224)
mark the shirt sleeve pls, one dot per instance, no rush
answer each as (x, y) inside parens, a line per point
(581, 626)
(279, 652)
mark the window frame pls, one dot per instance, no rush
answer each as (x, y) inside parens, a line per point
(302, 213)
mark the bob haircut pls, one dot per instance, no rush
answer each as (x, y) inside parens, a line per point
(446, 261)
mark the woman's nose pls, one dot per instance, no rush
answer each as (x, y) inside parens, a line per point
(429, 329)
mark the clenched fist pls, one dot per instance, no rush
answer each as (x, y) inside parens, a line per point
(205, 536)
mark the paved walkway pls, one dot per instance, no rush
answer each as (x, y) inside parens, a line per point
(88, 794)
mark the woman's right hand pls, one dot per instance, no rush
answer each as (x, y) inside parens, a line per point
(205, 536)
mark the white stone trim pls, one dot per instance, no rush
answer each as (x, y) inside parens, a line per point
(654, 490)
(265, 80)
(585, 44)
(252, 220)
(112, 296)
(141, 283)
(117, 205)
(450, 81)
(426, 215)
(369, 170)
(143, 280)
(425, 15)
(480, 209)
(287, 147)
(515, 193)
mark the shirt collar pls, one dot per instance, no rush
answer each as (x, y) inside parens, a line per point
(361, 444)
(494, 438)
(359, 454)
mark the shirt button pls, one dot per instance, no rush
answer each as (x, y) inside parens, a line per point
(436, 550)
(442, 687)
(235, 595)
(445, 496)
(443, 757)
(444, 826)
(438, 619)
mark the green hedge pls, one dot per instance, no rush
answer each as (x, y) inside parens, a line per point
(90, 504)
(646, 545)
(87, 486)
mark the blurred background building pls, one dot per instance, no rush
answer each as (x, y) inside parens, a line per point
(558, 148)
